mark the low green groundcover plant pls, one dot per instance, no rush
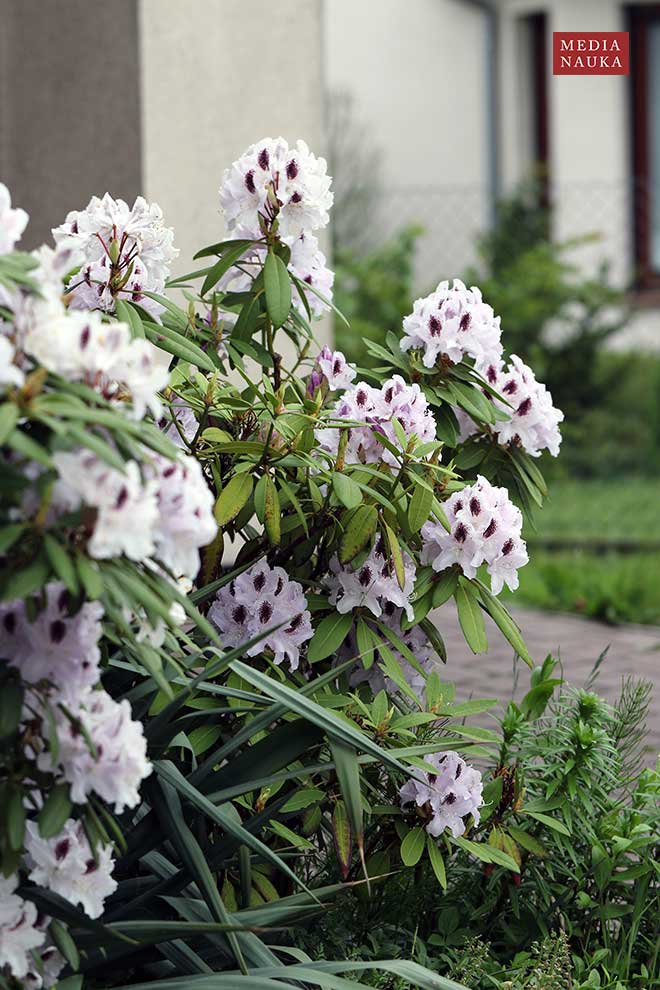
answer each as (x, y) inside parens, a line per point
(220, 549)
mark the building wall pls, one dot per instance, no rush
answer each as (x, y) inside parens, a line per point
(417, 73)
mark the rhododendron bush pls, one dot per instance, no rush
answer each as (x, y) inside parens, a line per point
(223, 684)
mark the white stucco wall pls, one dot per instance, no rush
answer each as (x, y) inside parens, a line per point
(417, 70)
(217, 75)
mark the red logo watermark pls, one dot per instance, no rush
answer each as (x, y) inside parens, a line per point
(590, 53)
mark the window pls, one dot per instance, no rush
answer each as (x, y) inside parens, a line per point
(533, 101)
(645, 82)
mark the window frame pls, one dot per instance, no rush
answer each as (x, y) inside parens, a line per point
(639, 19)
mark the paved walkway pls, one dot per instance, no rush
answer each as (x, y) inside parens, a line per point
(633, 650)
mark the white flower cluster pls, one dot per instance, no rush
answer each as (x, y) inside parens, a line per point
(114, 765)
(447, 797)
(56, 647)
(273, 181)
(258, 600)
(453, 322)
(19, 931)
(373, 584)
(167, 514)
(66, 865)
(533, 422)
(377, 408)
(80, 346)
(126, 251)
(418, 644)
(485, 528)
(331, 368)
(13, 222)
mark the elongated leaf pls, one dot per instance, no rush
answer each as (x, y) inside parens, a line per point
(412, 846)
(55, 811)
(346, 489)
(277, 286)
(471, 620)
(397, 556)
(272, 512)
(348, 775)
(61, 564)
(233, 497)
(8, 419)
(437, 862)
(419, 508)
(330, 634)
(227, 261)
(359, 532)
(342, 837)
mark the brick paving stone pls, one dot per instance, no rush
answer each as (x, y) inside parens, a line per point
(633, 650)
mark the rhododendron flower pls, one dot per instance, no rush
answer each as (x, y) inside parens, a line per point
(256, 601)
(308, 265)
(13, 221)
(116, 764)
(447, 797)
(532, 421)
(372, 584)
(19, 933)
(185, 519)
(185, 432)
(377, 408)
(485, 528)
(271, 180)
(453, 322)
(127, 252)
(66, 865)
(332, 367)
(127, 506)
(54, 645)
(418, 644)
(10, 374)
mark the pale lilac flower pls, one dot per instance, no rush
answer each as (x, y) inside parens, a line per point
(485, 528)
(308, 265)
(271, 180)
(19, 933)
(10, 374)
(185, 521)
(446, 797)
(187, 421)
(371, 585)
(453, 322)
(257, 600)
(45, 974)
(119, 765)
(54, 646)
(418, 644)
(66, 865)
(334, 369)
(530, 419)
(127, 252)
(127, 507)
(377, 408)
(12, 222)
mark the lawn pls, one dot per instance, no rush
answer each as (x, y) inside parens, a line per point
(612, 585)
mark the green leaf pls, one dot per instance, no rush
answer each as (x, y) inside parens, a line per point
(15, 812)
(61, 564)
(412, 846)
(90, 577)
(419, 508)
(233, 497)
(26, 581)
(397, 555)
(471, 620)
(527, 841)
(177, 345)
(272, 516)
(348, 775)
(203, 737)
(127, 313)
(227, 261)
(329, 635)
(289, 836)
(9, 535)
(11, 703)
(277, 286)
(347, 490)
(247, 319)
(64, 943)
(552, 823)
(437, 862)
(505, 623)
(342, 837)
(8, 419)
(444, 587)
(359, 532)
(56, 810)
(221, 247)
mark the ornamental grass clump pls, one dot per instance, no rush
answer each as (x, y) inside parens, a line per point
(218, 656)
